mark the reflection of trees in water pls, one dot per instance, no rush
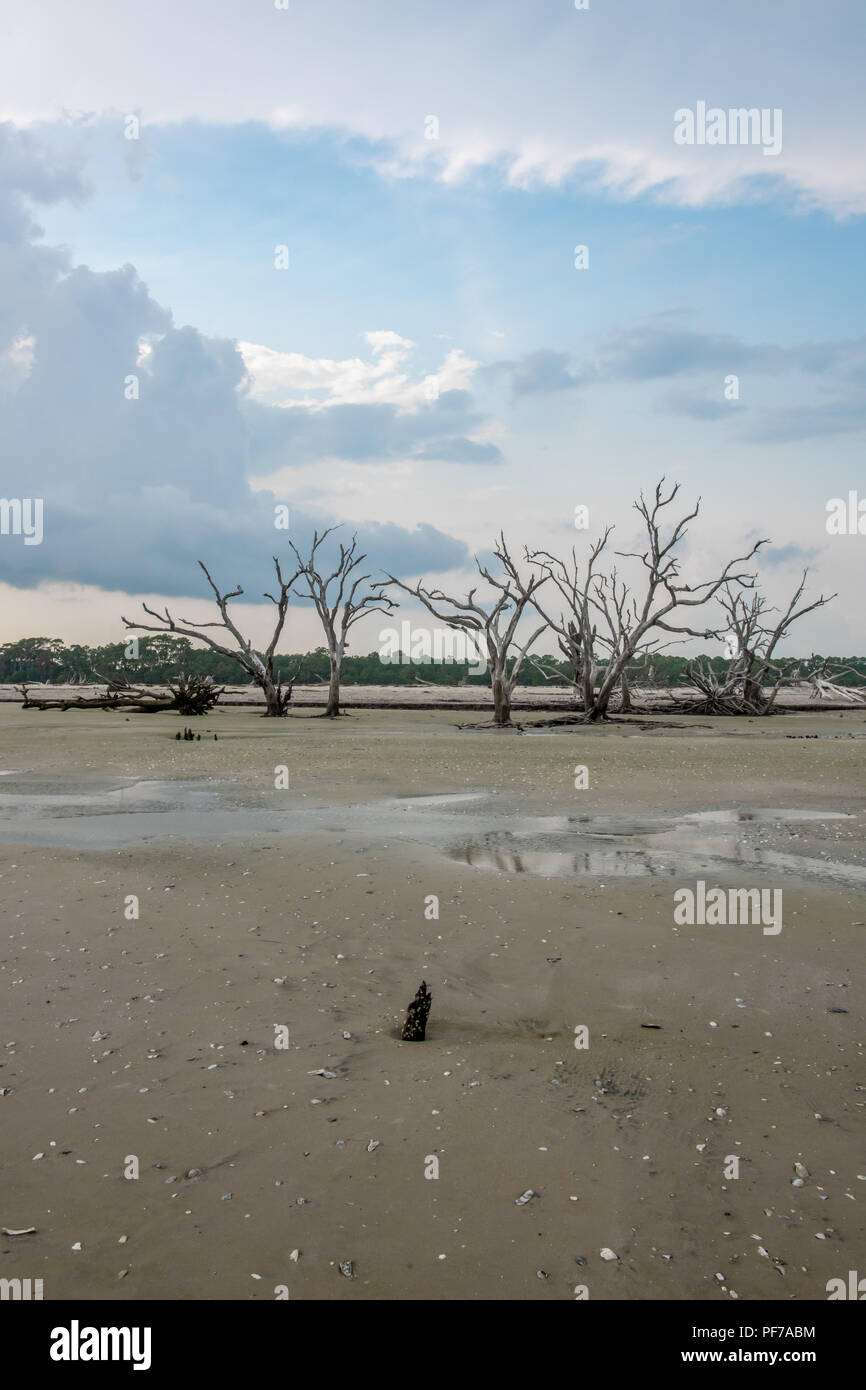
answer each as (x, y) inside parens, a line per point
(686, 856)
(557, 863)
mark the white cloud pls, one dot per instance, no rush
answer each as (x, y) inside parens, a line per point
(290, 378)
(541, 90)
(16, 362)
(383, 338)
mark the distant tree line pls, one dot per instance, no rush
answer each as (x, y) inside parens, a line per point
(164, 658)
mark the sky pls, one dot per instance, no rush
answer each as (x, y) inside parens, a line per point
(324, 253)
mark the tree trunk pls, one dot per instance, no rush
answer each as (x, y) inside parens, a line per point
(274, 704)
(333, 707)
(753, 694)
(597, 707)
(415, 1027)
(501, 701)
(576, 687)
(625, 694)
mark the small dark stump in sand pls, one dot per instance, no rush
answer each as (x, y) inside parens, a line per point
(415, 1027)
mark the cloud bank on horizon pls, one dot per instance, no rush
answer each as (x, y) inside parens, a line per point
(432, 361)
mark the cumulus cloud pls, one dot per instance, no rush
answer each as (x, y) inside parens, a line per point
(290, 378)
(141, 438)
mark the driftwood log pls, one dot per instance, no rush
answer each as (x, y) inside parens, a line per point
(189, 695)
(141, 702)
(415, 1027)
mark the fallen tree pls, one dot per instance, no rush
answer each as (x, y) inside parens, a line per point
(189, 695)
(140, 701)
(824, 681)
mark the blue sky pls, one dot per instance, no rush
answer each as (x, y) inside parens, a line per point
(411, 258)
(214, 200)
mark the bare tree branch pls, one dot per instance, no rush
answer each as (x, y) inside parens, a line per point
(338, 612)
(260, 668)
(512, 596)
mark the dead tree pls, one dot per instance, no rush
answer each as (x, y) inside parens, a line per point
(259, 668)
(575, 627)
(616, 640)
(139, 701)
(625, 703)
(753, 679)
(824, 681)
(606, 611)
(597, 628)
(484, 624)
(292, 677)
(337, 601)
(189, 695)
(195, 694)
(639, 681)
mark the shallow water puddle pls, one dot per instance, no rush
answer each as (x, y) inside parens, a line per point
(471, 827)
(661, 846)
(103, 814)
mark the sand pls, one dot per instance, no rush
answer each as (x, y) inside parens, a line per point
(304, 909)
(551, 696)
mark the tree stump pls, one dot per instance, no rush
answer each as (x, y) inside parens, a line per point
(415, 1027)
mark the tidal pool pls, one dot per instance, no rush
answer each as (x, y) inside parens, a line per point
(664, 845)
(476, 828)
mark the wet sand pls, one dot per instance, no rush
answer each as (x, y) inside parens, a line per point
(305, 908)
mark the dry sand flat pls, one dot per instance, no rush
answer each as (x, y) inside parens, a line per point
(156, 1037)
(471, 697)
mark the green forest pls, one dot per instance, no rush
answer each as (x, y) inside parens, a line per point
(162, 658)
